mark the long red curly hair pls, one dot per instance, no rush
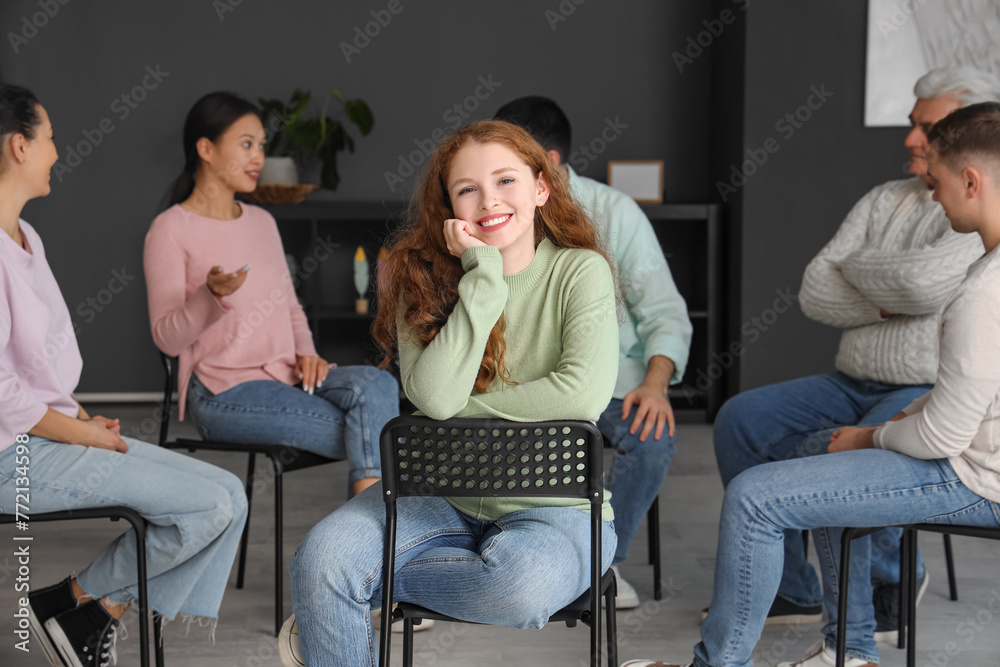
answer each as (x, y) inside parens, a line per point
(423, 275)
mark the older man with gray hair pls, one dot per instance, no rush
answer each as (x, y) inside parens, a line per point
(881, 279)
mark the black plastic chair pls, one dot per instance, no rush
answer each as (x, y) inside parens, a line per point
(476, 457)
(116, 512)
(908, 579)
(283, 459)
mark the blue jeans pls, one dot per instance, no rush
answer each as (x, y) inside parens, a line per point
(341, 420)
(793, 420)
(636, 474)
(195, 511)
(513, 572)
(869, 487)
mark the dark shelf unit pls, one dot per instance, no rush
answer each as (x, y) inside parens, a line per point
(328, 231)
(690, 235)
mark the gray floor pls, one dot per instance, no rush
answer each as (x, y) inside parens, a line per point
(950, 633)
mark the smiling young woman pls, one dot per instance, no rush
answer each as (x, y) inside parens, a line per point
(501, 304)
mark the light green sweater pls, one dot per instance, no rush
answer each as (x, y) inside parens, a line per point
(562, 351)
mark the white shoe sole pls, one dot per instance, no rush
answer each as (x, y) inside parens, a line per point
(51, 654)
(62, 643)
(285, 653)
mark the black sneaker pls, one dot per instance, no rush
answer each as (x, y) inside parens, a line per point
(85, 636)
(784, 612)
(45, 603)
(886, 601)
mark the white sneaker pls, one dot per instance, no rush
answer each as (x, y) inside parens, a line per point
(397, 627)
(818, 656)
(289, 649)
(627, 597)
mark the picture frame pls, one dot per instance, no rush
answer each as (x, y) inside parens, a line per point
(640, 179)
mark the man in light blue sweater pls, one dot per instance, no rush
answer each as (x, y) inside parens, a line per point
(653, 342)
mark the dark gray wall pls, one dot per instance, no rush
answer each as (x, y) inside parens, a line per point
(605, 60)
(794, 203)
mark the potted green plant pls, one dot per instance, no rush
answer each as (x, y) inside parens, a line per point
(312, 140)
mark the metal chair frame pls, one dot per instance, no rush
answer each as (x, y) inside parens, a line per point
(475, 458)
(116, 512)
(283, 459)
(908, 579)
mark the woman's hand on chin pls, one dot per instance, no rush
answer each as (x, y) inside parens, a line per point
(458, 234)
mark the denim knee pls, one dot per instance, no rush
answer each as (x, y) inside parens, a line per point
(382, 382)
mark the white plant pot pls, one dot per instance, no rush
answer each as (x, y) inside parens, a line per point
(279, 171)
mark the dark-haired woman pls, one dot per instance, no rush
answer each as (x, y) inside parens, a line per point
(55, 456)
(222, 299)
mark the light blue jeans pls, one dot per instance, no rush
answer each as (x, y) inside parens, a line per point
(513, 572)
(342, 420)
(795, 419)
(195, 511)
(636, 474)
(860, 488)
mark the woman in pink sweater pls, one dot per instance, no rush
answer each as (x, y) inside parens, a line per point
(222, 299)
(54, 456)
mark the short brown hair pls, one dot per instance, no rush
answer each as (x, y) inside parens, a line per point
(966, 133)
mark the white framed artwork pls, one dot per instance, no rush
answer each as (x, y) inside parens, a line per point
(908, 38)
(642, 180)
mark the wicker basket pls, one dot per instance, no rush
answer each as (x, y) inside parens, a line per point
(280, 194)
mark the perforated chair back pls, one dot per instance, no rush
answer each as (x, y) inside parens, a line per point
(464, 457)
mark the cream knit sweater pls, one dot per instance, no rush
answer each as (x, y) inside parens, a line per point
(895, 250)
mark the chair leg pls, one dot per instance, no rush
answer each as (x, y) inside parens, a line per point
(612, 623)
(845, 570)
(140, 560)
(653, 529)
(904, 588)
(158, 639)
(279, 598)
(241, 569)
(407, 642)
(949, 558)
(805, 543)
(911, 648)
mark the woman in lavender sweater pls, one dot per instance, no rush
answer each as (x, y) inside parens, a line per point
(222, 299)
(55, 456)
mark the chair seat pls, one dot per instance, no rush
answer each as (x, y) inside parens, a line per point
(291, 458)
(578, 610)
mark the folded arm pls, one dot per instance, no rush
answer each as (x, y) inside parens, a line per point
(826, 295)
(914, 281)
